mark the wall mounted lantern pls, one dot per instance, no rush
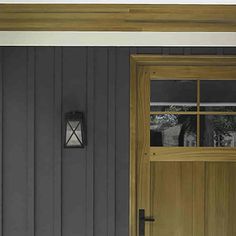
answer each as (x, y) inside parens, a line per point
(74, 130)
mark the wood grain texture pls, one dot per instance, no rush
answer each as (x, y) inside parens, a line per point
(117, 17)
(172, 198)
(193, 198)
(220, 199)
(192, 154)
(184, 60)
(133, 150)
(143, 145)
(198, 198)
(177, 191)
(184, 67)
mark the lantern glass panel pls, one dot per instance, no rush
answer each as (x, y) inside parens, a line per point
(73, 134)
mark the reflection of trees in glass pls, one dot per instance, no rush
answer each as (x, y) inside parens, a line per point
(215, 129)
(174, 108)
(188, 125)
(187, 122)
(223, 125)
(162, 122)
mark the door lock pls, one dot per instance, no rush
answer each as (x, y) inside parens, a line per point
(142, 220)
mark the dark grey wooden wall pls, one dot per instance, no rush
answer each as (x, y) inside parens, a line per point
(47, 190)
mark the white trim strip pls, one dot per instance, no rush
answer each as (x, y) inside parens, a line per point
(56, 38)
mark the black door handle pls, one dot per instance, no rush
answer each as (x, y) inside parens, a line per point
(142, 220)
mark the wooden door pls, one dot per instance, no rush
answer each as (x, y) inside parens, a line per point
(183, 140)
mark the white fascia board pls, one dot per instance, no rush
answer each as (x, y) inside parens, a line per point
(54, 38)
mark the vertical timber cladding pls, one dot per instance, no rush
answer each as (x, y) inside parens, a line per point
(65, 71)
(47, 140)
(219, 67)
(30, 141)
(14, 172)
(1, 137)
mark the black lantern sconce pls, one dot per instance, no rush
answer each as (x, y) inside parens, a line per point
(74, 130)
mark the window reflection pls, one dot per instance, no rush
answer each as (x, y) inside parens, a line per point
(218, 95)
(173, 130)
(218, 131)
(177, 128)
(173, 95)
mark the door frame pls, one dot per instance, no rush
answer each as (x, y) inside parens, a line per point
(146, 62)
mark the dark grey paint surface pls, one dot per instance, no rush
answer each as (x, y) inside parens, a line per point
(51, 191)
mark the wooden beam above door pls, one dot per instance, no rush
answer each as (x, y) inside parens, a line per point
(117, 17)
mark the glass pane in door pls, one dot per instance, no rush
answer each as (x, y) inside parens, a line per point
(218, 95)
(218, 130)
(173, 130)
(173, 95)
